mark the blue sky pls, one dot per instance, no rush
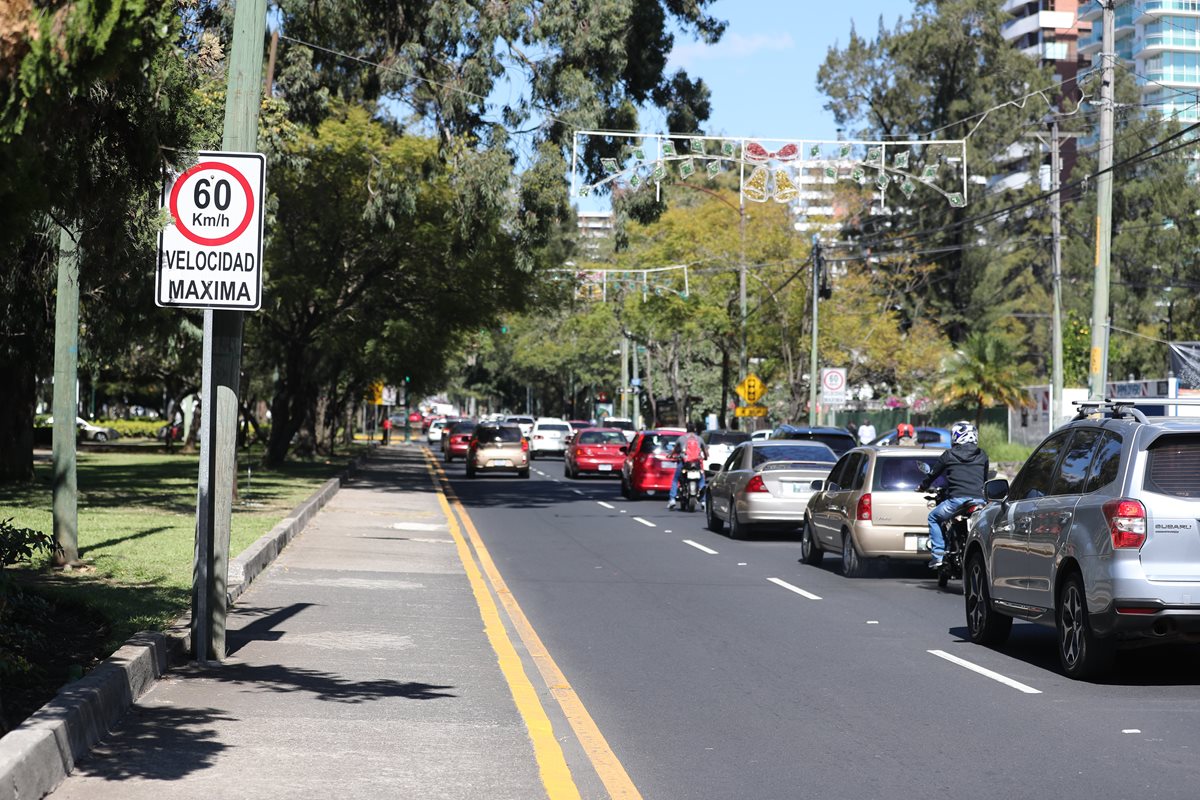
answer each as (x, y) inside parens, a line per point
(763, 72)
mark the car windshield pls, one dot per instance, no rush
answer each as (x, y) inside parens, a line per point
(492, 434)
(602, 437)
(900, 474)
(463, 427)
(622, 424)
(727, 437)
(657, 443)
(553, 426)
(577, 424)
(792, 452)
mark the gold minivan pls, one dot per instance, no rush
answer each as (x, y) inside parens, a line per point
(869, 508)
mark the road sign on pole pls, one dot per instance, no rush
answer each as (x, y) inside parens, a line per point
(210, 253)
(750, 411)
(833, 386)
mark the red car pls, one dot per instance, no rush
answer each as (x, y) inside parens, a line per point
(648, 467)
(598, 451)
(459, 440)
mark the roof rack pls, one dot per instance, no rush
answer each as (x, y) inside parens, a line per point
(1112, 407)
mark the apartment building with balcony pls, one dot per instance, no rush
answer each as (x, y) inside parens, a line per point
(1052, 31)
(1159, 40)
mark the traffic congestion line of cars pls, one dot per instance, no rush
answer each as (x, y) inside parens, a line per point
(1097, 535)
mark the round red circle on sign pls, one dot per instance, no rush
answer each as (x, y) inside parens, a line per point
(229, 237)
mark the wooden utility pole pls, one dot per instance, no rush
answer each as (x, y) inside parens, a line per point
(1098, 369)
(222, 363)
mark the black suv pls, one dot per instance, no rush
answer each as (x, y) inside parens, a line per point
(839, 440)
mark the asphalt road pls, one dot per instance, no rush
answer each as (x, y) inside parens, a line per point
(726, 669)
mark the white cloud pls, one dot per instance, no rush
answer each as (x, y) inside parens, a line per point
(733, 45)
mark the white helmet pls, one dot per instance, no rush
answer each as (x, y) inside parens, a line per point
(964, 432)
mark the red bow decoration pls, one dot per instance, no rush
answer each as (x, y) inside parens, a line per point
(756, 152)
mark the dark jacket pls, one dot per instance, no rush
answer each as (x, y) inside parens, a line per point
(966, 469)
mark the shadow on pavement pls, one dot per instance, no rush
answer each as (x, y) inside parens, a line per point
(261, 630)
(158, 743)
(323, 685)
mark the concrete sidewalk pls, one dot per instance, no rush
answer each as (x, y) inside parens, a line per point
(358, 667)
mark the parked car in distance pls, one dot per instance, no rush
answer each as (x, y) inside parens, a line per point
(497, 446)
(624, 424)
(523, 422)
(595, 451)
(457, 439)
(765, 433)
(649, 467)
(765, 484)
(926, 437)
(1097, 536)
(549, 437)
(869, 508)
(720, 444)
(91, 431)
(839, 439)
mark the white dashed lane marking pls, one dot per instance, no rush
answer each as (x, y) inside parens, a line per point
(796, 589)
(987, 673)
(606, 505)
(701, 547)
(645, 522)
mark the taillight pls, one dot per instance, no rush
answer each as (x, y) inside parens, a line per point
(1126, 523)
(864, 507)
(524, 445)
(756, 484)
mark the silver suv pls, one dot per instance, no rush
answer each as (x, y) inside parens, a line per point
(1098, 535)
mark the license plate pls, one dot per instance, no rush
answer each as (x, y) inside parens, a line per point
(797, 487)
(693, 475)
(504, 462)
(916, 543)
(604, 467)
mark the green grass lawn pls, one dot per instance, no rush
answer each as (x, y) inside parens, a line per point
(137, 517)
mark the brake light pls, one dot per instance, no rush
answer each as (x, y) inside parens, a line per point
(756, 484)
(524, 445)
(1126, 523)
(864, 507)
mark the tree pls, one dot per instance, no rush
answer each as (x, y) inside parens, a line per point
(983, 372)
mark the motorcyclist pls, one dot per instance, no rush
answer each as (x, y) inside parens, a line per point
(965, 466)
(906, 435)
(687, 449)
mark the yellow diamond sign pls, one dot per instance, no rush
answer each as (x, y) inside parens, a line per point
(751, 389)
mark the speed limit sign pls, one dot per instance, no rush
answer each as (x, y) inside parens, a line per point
(833, 386)
(210, 251)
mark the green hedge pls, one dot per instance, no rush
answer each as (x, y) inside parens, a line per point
(135, 428)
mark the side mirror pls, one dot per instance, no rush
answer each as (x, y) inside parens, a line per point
(996, 489)
(624, 449)
(924, 468)
(832, 487)
(817, 485)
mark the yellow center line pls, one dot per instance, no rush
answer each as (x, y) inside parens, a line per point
(608, 767)
(552, 764)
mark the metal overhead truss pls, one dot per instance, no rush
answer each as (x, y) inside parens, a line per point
(597, 283)
(777, 169)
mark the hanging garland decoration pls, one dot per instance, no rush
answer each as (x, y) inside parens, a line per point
(773, 174)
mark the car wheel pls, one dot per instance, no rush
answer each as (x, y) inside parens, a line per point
(711, 520)
(523, 473)
(470, 471)
(985, 625)
(736, 529)
(1082, 653)
(624, 488)
(449, 458)
(810, 552)
(100, 436)
(853, 563)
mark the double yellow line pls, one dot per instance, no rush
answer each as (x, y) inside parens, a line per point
(552, 764)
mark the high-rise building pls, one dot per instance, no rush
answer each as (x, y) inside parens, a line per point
(595, 229)
(1053, 32)
(1159, 40)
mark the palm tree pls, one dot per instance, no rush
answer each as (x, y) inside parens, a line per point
(984, 371)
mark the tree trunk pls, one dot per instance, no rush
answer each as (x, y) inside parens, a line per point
(16, 420)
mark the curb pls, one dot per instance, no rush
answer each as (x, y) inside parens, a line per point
(37, 755)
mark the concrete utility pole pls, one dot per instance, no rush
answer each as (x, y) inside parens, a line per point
(624, 375)
(1056, 379)
(223, 361)
(743, 361)
(1098, 370)
(66, 364)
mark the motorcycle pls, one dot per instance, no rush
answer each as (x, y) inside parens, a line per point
(690, 480)
(955, 535)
